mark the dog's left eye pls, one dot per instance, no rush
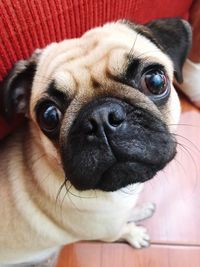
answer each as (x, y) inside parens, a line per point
(154, 82)
(49, 117)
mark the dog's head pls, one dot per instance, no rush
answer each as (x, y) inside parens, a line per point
(102, 104)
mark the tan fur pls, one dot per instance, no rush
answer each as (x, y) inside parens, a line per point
(30, 169)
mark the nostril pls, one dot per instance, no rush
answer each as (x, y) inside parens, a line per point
(90, 127)
(93, 125)
(115, 118)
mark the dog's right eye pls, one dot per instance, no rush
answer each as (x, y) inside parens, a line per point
(49, 118)
(154, 82)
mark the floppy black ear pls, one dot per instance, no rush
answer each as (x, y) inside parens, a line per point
(16, 87)
(174, 35)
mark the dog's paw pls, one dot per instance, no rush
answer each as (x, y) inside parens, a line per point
(136, 236)
(142, 212)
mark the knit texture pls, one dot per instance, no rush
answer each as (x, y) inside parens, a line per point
(29, 24)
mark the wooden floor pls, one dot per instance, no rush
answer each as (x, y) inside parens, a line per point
(175, 227)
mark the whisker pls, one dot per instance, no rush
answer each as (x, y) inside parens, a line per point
(146, 52)
(180, 164)
(68, 191)
(59, 191)
(37, 159)
(133, 46)
(184, 124)
(189, 141)
(186, 149)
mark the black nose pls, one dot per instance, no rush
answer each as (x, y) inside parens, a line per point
(103, 118)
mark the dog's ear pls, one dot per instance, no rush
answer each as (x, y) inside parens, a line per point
(16, 87)
(174, 35)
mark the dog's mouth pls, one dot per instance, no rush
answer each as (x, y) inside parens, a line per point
(122, 174)
(114, 144)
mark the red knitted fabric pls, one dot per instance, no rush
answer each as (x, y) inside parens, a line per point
(28, 24)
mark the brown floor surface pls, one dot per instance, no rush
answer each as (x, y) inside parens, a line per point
(175, 227)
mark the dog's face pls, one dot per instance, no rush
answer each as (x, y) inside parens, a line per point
(100, 106)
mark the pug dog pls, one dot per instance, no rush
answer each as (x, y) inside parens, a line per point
(99, 110)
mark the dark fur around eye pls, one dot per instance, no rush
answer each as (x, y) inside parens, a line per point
(134, 76)
(58, 96)
(49, 118)
(49, 110)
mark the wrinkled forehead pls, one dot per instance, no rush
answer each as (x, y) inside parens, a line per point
(77, 64)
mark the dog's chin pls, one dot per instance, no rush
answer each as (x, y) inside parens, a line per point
(125, 173)
(114, 173)
(119, 175)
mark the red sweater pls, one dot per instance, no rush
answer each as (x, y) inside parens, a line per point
(28, 24)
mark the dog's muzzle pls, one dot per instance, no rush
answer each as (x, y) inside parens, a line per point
(112, 144)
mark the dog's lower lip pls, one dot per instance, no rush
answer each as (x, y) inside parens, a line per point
(124, 173)
(123, 162)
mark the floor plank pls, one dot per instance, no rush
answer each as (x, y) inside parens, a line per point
(122, 255)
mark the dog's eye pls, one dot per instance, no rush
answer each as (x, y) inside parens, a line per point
(154, 82)
(49, 117)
